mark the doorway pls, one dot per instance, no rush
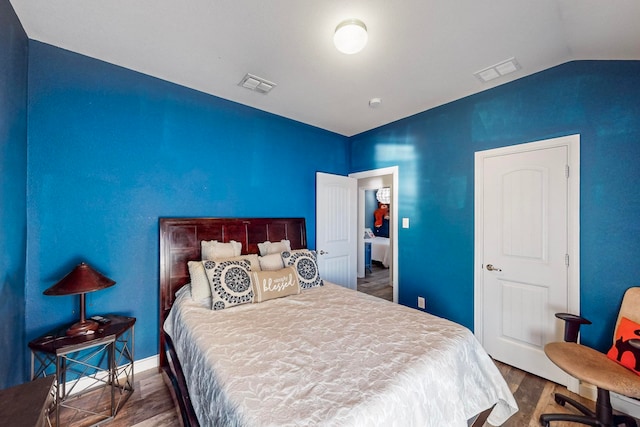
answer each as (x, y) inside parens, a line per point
(526, 250)
(373, 180)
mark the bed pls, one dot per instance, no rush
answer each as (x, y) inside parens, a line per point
(324, 356)
(380, 250)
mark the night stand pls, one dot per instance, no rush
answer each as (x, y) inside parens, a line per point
(26, 405)
(84, 363)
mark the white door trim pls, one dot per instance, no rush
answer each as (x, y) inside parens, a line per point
(361, 221)
(393, 171)
(572, 142)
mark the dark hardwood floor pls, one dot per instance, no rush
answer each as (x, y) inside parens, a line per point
(150, 405)
(377, 282)
(535, 396)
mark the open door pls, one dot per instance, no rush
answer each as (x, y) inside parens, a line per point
(336, 228)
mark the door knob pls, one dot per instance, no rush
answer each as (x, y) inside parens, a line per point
(322, 252)
(490, 267)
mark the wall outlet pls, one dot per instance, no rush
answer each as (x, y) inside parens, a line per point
(422, 303)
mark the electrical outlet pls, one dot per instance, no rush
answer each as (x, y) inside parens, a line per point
(422, 303)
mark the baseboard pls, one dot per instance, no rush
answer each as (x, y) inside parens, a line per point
(83, 384)
(620, 403)
(625, 405)
(150, 362)
(588, 390)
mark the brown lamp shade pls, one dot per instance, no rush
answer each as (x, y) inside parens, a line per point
(80, 280)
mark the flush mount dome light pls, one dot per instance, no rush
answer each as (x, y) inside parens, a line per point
(350, 36)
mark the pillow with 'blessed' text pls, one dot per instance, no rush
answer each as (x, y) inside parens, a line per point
(274, 284)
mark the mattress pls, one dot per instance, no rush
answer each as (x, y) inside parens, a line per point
(331, 356)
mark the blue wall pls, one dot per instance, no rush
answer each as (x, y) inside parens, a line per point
(111, 150)
(435, 153)
(13, 194)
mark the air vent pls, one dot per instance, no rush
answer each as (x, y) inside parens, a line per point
(256, 84)
(498, 70)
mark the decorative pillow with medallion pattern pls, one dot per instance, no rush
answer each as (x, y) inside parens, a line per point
(230, 283)
(306, 265)
(200, 287)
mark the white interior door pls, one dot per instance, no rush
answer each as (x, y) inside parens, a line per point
(336, 228)
(524, 269)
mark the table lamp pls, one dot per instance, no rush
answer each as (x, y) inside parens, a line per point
(80, 280)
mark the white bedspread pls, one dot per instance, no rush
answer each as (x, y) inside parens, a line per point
(380, 250)
(331, 356)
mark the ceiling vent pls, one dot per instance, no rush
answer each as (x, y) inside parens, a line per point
(256, 84)
(498, 70)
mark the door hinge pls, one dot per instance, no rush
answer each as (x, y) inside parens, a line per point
(566, 170)
(566, 259)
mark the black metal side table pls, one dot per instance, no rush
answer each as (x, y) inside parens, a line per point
(82, 364)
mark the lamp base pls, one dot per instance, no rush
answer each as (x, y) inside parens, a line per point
(82, 328)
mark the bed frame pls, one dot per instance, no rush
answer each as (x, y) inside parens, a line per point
(180, 243)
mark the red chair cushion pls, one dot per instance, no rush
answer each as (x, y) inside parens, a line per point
(623, 352)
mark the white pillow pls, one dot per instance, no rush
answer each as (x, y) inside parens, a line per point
(212, 249)
(268, 247)
(271, 262)
(200, 288)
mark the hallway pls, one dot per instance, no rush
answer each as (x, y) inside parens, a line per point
(377, 283)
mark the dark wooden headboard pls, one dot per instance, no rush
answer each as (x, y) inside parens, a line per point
(180, 243)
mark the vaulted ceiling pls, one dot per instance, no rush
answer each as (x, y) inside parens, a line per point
(420, 53)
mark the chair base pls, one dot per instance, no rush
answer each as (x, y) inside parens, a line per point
(603, 417)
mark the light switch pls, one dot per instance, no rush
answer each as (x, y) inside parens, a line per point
(405, 222)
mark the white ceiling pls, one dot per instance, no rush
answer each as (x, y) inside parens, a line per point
(420, 54)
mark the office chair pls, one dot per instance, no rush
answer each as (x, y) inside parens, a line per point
(596, 368)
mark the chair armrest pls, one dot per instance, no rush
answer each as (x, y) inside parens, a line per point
(635, 343)
(572, 325)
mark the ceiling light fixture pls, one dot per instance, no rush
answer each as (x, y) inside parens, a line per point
(350, 36)
(383, 195)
